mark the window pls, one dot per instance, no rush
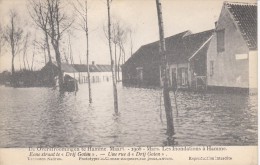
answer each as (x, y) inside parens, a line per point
(221, 40)
(140, 73)
(211, 68)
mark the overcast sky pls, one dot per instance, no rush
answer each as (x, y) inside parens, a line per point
(139, 15)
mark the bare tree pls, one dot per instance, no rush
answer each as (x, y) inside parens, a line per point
(82, 14)
(70, 52)
(13, 36)
(121, 56)
(164, 67)
(33, 54)
(72, 63)
(118, 37)
(24, 51)
(39, 44)
(122, 38)
(66, 50)
(80, 61)
(131, 41)
(114, 37)
(2, 39)
(112, 61)
(39, 13)
(66, 55)
(59, 23)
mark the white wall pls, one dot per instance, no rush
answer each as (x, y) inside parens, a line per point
(253, 70)
(95, 77)
(229, 71)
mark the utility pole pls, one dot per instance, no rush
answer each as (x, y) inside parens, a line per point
(165, 73)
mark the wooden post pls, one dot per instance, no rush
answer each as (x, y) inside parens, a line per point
(116, 64)
(196, 83)
(72, 63)
(86, 30)
(112, 62)
(206, 81)
(164, 66)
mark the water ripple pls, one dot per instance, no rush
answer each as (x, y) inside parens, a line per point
(33, 117)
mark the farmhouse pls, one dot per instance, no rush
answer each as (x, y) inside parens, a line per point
(98, 73)
(232, 53)
(186, 56)
(188, 68)
(225, 57)
(50, 71)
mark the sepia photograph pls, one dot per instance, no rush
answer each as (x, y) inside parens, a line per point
(128, 73)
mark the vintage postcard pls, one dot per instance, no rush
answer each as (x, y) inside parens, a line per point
(128, 82)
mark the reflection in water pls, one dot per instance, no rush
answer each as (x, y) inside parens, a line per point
(33, 117)
(170, 141)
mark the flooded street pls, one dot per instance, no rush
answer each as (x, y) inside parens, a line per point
(42, 117)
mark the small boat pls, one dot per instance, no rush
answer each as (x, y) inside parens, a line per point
(70, 84)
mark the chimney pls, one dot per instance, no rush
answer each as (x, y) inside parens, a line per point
(93, 62)
(216, 24)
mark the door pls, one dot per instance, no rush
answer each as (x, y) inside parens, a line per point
(184, 76)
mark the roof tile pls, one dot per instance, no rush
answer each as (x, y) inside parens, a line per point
(245, 15)
(179, 47)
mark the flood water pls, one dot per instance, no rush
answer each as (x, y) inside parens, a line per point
(42, 117)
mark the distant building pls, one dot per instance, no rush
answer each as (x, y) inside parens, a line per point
(50, 71)
(186, 55)
(98, 73)
(232, 53)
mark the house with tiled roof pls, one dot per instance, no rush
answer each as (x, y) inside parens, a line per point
(143, 67)
(232, 52)
(183, 52)
(50, 71)
(190, 67)
(98, 72)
